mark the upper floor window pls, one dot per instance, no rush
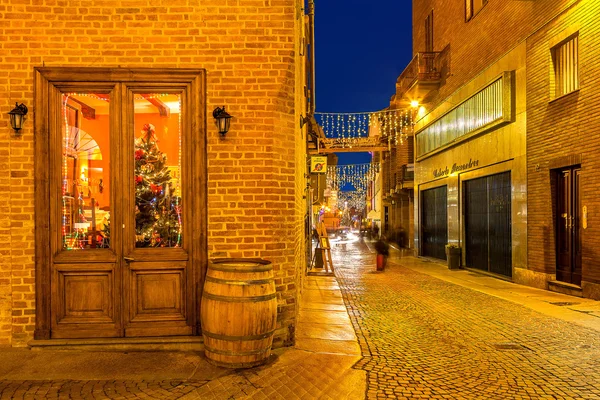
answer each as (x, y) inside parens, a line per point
(565, 59)
(473, 7)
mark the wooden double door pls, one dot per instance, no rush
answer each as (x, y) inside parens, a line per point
(120, 202)
(568, 226)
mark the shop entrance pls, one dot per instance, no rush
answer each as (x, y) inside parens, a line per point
(434, 222)
(568, 227)
(118, 155)
(488, 244)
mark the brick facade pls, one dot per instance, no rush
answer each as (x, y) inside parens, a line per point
(564, 129)
(558, 132)
(474, 45)
(250, 51)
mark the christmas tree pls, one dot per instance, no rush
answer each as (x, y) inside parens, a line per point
(158, 211)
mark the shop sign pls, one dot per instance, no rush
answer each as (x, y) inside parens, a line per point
(318, 164)
(441, 172)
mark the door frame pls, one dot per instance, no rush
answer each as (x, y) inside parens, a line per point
(46, 81)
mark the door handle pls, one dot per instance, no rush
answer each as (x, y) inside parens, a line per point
(566, 217)
(128, 259)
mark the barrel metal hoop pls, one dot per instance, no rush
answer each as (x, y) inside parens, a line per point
(237, 338)
(239, 261)
(236, 353)
(248, 299)
(233, 268)
(239, 283)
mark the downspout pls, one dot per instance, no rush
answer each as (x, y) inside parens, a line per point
(311, 27)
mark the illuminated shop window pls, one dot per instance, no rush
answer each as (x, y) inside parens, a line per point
(484, 110)
(85, 189)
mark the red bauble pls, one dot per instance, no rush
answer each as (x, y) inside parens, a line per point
(156, 189)
(139, 180)
(139, 154)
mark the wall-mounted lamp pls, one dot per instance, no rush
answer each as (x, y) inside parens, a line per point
(17, 116)
(222, 119)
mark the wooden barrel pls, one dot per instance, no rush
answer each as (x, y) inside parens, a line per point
(238, 312)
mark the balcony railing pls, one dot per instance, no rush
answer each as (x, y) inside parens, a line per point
(425, 67)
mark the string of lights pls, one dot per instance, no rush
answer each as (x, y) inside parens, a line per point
(348, 128)
(356, 175)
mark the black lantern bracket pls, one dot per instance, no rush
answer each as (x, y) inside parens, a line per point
(17, 116)
(222, 120)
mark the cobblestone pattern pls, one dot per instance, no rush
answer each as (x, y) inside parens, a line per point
(71, 389)
(422, 337)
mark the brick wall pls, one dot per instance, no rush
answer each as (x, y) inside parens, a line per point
(250, 51)
(497, 28)
(560, 128)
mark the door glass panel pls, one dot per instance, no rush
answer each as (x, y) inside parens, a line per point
(85, 214)
(157, 170)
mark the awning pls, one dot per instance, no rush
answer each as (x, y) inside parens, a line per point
(374, 215)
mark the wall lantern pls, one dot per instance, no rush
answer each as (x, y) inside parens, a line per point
(17, 116)
(222, 120)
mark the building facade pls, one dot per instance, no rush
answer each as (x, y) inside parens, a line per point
(503, 168)
(119, 187)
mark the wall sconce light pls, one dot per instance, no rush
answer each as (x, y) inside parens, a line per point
(17, 116)
(222, 120)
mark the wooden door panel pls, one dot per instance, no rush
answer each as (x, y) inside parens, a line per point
(563, 267)
(85, 301)
(158, 291)
(568, 227)
(158, 299)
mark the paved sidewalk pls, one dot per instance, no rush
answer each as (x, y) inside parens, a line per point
(318, 368)
(582, 311)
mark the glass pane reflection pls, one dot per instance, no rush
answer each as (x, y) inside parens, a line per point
(157, 172)
(85, 171)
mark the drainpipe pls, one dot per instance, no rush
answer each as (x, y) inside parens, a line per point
(311, 27)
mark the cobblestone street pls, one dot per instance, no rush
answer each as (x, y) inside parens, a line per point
(422, 337)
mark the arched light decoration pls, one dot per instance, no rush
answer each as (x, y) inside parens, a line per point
(17, 116)
(222, 120)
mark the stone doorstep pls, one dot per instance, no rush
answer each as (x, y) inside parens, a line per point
(183, 343)
(565, 288)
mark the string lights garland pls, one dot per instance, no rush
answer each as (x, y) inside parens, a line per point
(356, 175)
(392, 126)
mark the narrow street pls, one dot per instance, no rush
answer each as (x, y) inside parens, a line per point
(423, 337)
(423, 331)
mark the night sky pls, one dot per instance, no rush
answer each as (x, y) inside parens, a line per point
(361, 48)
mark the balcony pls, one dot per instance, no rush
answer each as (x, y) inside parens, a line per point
(405, 179)
(422, 76)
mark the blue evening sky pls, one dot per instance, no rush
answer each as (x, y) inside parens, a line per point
(361, 48)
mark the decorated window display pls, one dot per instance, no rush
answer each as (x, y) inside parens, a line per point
(157, 157)
(85, 171)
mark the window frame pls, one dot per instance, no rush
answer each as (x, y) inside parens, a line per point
(470, 11)
(569, 65)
